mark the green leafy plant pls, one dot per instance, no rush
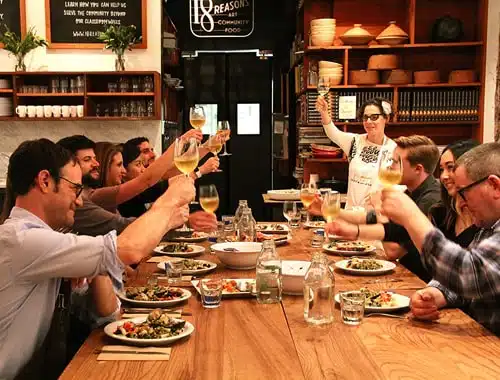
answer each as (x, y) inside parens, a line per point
(19, 46)
(118, 39)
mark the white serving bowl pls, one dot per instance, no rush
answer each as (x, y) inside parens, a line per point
(292, 276)
(244, 256)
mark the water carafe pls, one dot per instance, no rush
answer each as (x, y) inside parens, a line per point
(319, 288)
(268, 274)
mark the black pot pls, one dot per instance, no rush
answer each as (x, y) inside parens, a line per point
(334, 184)
(447, 29)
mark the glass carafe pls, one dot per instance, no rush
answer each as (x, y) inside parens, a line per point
(268, 274)
(319, 289)
(242, 205)
(246, 227)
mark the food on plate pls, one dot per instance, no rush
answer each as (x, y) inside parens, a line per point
(233, 286)
(270, 227)
(363, 264)
(190, 264)
(155, 293)
(377, 299)
(261, 237)
(157, 325)
(177, 247)
(316, 224)
(349, 246)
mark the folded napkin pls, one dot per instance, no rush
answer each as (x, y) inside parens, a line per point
(134, 353)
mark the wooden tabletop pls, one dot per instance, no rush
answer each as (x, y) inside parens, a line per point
(245, 340)
(267, 199)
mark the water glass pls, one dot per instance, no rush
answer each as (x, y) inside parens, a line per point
(174, 271)
(153, 280)
(211, 293)
(318, 239)
(352, 307)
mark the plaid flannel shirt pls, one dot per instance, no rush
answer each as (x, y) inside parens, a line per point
(468, 277)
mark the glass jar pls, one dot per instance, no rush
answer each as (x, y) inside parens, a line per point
(242, 205)
(150, 111)
(148, 84)
(246, 227)
(124, 84)
(268, 274)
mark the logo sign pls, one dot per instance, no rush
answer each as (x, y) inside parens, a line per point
(221, 18)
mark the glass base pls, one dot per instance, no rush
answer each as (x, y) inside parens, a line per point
(225, 154)
(211, 306)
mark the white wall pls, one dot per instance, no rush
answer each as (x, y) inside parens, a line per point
(492, 47)
(12, 133)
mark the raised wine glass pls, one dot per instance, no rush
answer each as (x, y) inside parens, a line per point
(330, 207)
(209, 198)
(224, 129)
(214, 145)
(390, 171)
(308, 192)
(186, 155)
(197, 117)
(323, 86)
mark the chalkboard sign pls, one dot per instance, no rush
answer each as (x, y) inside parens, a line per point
(77, 24)
(13, 14)
(221, 18)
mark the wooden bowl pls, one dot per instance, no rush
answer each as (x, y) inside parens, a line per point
(397, 76)
(427, 77)
(383, 62)
(462, 76)
(391, 40)
(363, 77)
(322, 41)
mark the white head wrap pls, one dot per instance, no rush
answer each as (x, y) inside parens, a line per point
(386, 107)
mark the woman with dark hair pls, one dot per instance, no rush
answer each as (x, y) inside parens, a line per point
(363, 150)
(110, 159)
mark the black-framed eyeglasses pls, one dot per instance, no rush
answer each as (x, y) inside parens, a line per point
(372, 117)
(462, 191)
(78, 186)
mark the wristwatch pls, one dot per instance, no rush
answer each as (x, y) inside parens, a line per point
(197, 173)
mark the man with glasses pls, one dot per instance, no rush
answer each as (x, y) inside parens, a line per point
(462, 277)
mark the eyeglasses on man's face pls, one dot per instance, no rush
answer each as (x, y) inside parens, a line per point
(463, 190)
(78, 187)
(372, 117)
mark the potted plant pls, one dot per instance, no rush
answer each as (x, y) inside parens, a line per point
(19, 46)
(119, 39)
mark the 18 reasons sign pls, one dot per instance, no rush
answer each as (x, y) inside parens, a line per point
(221, 18)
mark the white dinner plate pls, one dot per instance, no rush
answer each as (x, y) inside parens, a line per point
(284, 195)
(191, 271)
(367, 251)
(185, 296)
(400, 302)
(387, 267)
(272, 228)
(111, 328)
(313, 224)
(201, 236)
(197, 250)
(246, 286)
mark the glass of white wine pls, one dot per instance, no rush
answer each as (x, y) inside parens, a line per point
(308, 192)
(323, 86)
(289, 209)
(214, 145)
(197, 117)
(224, 129)
(186, 155)
(390, 171)
(331, 206)
(209, 198)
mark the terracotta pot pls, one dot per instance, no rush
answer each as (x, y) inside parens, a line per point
(397, 77)
(356, 36)
(427, 77)
(462, 76)
(383, 62)
(392, 31)
(363, 77)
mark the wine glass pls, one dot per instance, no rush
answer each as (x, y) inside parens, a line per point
(224, 129)
(290, 211)
(186, 155)
(323, 86)
(308, 192)
(209, 198)
(330, 207)
(214, 145)
(197, 117)
(390, 171)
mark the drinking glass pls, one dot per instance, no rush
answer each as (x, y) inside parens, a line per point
(186, 155)
(153, 280)
(390, 171)
(352, 307)
(290, 212)
(214, 145)
(197, 117)
(173, 270)
(330, 207)
(211, 293)
(224, 129)
(308, 192)
(209, 198)
(323, 86)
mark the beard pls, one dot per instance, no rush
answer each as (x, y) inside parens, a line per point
(89, 181)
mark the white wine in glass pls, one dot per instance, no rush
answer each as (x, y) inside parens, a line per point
(308, 193)
(323, 86)
(197, 117)
(186, 155)
(331, 206)
(390, 170)
(224, 130)
(209, 198)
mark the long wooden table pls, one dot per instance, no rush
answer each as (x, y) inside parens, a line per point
(245, 340)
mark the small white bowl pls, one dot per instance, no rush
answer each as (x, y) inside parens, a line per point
(244, 255)
(292, 276)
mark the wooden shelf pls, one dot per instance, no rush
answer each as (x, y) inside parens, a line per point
(317, 49)
(120, 94)
(6, 90)
(118, 118)
(49, 94)
(329, 160)
(17, 118)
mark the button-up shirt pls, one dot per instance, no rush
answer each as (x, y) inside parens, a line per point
(468, 277)
(33, 259)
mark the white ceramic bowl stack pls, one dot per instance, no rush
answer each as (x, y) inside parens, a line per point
(323, 32)
(6, 107)
(331, 70)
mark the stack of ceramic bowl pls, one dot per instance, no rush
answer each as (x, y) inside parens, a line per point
(392, 35)
(323, 32)
(6, 106)
(332, 71)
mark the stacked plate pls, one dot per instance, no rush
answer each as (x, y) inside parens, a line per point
(6, 106)
(331, 70)
(325, 151)
(323, 32)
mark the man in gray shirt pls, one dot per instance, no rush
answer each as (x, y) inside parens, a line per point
(46, 182)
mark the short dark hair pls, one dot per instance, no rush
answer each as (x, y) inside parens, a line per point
(76, 142)
(421, 150)
(137, 140)
(130, 152)
(481, 161)
(377, 102)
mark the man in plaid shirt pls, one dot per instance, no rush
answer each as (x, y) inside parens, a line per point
(461, 277)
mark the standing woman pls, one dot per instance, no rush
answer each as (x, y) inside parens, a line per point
(363, 150)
